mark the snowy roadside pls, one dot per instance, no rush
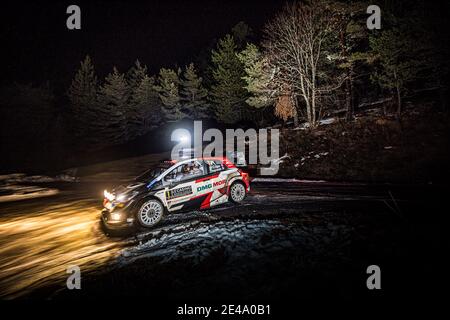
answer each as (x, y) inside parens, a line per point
(23, 178)
(236, 239)
(16, 192)
(15, 186)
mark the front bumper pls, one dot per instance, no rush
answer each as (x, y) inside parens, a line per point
(125, 222)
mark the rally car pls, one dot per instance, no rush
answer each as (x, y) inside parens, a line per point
(190, 184)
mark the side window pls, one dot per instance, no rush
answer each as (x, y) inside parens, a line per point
(214, 166)
(185, 171)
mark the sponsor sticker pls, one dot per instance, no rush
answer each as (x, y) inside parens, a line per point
(180, 192)
(204, 187)
(219, 183)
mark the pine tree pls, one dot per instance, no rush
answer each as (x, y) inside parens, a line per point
(83, 90)
(193, 95)
(257, 77)
(143, 101)
(136, 74)
(113, 101)
(227, 93)
(168, 89)
(398, 55)
(346, 48)
(83, 99)
(145, 91)
(242, 34)
(146, 109)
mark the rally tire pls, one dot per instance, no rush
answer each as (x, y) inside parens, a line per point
(150, 213)
(237, 192)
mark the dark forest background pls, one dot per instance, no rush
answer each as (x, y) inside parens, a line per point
(301, 62)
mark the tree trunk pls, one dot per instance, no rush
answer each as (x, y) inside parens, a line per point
(348, 90)
(313, 111)
(385, 107)
(399, 98)
(295, 110)
(349, 102)
(313, 98)
(399, 102)
(308, 111)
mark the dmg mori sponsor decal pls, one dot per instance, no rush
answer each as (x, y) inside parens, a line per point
(180, 192)
(210, 185)
(219, 183)
(204, 187)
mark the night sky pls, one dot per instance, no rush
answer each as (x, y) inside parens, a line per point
(39, 47)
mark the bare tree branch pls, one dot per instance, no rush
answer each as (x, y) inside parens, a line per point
(294, 43)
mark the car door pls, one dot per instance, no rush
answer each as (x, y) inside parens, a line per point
(182, 190)
(218, 178)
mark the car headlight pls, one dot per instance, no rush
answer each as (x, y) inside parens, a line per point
(116, 216)
(108, 195)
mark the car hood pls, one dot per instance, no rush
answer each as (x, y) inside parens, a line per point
(126, 189)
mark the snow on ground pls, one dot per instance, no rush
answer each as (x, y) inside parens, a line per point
(273, 167)
(327, 121)
(310, 156)
(235, 240)
(322, 122)
(279, 160)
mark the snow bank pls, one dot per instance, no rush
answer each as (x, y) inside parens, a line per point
(322, 122)
(233, 240)
(15, 192)
(22, 178)
(327, 121)
(13, 186)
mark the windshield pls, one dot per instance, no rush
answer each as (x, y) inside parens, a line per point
(150, 174)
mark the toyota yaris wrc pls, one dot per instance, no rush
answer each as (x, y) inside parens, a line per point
(173, 186)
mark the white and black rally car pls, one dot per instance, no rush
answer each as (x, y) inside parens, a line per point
(198, 183)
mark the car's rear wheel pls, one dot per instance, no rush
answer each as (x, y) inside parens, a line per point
(150, 213)
(237, 192)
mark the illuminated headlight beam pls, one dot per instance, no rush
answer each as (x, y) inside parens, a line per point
(108, 195)
(116, 216)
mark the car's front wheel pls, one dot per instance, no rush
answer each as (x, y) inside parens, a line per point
(150, 213)
(237, 192)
